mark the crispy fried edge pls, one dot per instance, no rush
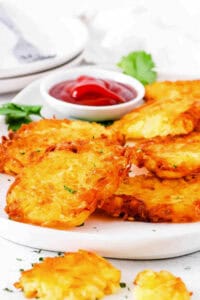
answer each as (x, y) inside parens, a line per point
(190, 120)
(12, 136)
(142, 156)
(176, 88)
(132, 208)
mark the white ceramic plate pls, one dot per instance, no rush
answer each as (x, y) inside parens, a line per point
(109, 237)
(17, 83)
(68, 37)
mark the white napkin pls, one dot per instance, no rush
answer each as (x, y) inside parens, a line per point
(30, 31)
(169, 30)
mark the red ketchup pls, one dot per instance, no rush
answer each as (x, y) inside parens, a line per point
(91, 91)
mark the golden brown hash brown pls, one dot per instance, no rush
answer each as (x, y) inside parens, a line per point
(30, 142)
(161, 285)
(75, 276)
(169, 157)
(150, 199)
(172, 90)
(160, 119)
(63, 188)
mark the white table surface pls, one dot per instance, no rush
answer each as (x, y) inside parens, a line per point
(15, 257)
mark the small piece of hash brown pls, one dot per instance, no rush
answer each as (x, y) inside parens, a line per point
(170, 157)
(163, 285)
(63, 188)
(172, 90)
(29, 143)
(150, 199)
(75, 276)
(160, 118)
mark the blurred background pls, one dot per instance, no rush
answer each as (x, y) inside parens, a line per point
(169, 30)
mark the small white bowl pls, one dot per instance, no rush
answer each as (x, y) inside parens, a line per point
(90, 113)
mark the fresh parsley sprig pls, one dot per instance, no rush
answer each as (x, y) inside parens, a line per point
(140, 65)
(16, 114)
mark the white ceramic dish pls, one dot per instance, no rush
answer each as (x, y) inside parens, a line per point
(17, 83)
(69, 37)
(92, 113)
(109, 237)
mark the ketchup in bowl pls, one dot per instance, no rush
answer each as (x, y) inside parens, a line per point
(91, 91)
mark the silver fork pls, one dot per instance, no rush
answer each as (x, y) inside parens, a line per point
(24, 51)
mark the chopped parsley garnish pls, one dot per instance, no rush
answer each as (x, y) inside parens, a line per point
(41, 258)
(100, 151)
(69, 189)
(175, 166)
(21, 270)
(122, 285)
(8, 290)
(140, 65)
(19, 259)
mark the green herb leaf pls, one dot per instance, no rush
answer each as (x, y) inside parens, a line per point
(30, 109)
(15, 123)
(17, 108)
(122, 285)
(16, 114)
(140, 65)
(69, 189)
